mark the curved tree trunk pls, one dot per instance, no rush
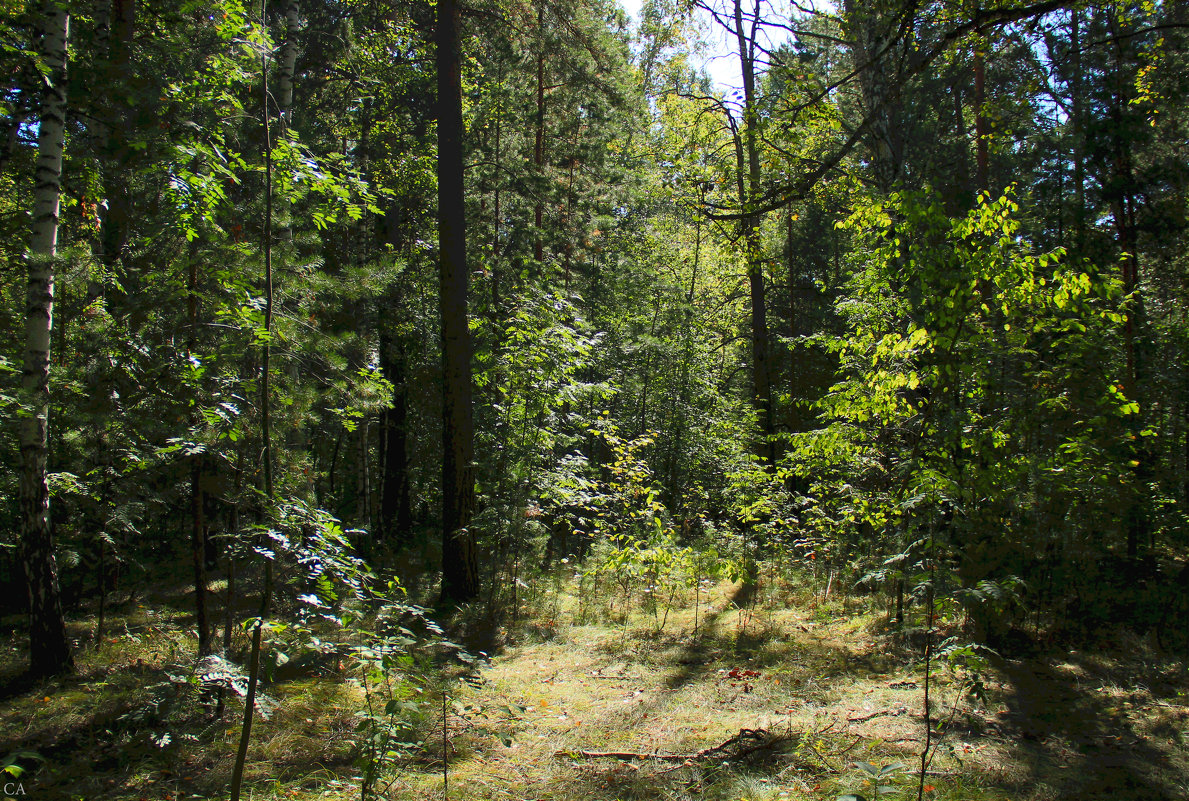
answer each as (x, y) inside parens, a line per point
(49, 652)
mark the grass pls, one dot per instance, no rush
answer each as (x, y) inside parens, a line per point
(820, 678)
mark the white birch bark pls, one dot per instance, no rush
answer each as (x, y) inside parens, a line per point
(288, 60)
(49, 651)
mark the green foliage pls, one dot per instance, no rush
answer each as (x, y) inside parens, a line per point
(878, 781)
(971, 371)
(391, 725)
(637, 545)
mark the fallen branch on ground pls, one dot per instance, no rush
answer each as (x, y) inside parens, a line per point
(865, 718)
(759, 737)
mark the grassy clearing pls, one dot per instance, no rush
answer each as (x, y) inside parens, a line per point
(815, 686)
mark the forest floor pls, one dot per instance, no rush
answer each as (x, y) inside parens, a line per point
(779, 696)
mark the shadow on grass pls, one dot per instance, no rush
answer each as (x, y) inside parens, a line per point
(1068, 737)
(137, 732)
(720, 778)
(758, 646)
(83, 729)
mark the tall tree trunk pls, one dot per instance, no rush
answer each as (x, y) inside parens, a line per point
(539, 142)
(870, 45)
(460, 567)
(198, 543)
(1079, 165)
(966, 190)
(396, 517)
(117, 27)
(796, 372)
(981, 133)
(496, 314)
(656, 313)
(286, 68)
(245, 737)
(49, 651)
(1123, 214)
(287, 64)
(363, 480)
(749, 190)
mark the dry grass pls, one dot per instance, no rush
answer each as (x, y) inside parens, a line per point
(820, 677)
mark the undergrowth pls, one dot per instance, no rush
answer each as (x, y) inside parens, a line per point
(583, 694)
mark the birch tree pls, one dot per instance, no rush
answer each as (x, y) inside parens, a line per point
(49, 652)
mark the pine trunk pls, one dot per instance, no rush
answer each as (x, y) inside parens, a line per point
(460, 569)
(396, 518)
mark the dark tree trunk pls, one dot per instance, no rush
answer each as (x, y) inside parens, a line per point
(396, 517)
(539, 143)
(198, 556)
(966, 189)
(749, 187)
(796, 370)
(198, 541)
(1079, 165)
(982, 134)
(117, 220)
(1122, 203)
(460, 569)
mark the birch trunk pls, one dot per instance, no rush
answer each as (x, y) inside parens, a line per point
(288, 60)
(49, 652)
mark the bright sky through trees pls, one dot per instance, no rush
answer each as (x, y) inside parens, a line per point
(719, 58)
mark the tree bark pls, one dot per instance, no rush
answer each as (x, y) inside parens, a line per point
(237, 772)
(870, 45)
(396, 518)
(1122, 204)
(460, 569)
(49, 651)
(496, 303)
(1079, 165)
(982, 135)
(288, 61)
(198, 526)
(116, 31)
(796, 372)
(749, 191)
(539, 142)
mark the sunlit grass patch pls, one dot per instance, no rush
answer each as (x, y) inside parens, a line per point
(825, 679)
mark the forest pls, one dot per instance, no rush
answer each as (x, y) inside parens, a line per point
(543, 399)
